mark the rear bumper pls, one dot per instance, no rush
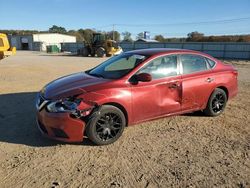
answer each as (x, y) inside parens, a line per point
(233, 94)
(233, 89)
(60, 126)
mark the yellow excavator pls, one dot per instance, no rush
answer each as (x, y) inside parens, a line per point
(100, 46)
(5, 49)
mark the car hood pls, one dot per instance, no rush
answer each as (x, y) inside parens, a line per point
(71, 85)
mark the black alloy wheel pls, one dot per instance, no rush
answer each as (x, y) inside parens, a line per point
(106, 125)
(216, 103)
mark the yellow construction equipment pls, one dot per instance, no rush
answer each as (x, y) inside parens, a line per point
(100, 46)
(5, 49)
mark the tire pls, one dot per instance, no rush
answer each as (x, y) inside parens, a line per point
(216, 103)
(100, 52)
(106, 125)
(85, 52)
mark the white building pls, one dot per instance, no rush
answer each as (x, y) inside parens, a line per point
(38, 42)
(146, 40)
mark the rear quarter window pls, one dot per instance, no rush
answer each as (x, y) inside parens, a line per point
(211, 63)
(193, 63)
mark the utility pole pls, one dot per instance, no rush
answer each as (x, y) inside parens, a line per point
(113, 31)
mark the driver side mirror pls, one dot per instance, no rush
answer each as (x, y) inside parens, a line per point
(143, 77)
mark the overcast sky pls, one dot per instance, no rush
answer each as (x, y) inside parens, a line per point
(169, 18)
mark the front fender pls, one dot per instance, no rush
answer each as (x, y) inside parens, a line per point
(121, 97)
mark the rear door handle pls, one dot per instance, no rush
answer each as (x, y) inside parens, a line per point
(209, 80)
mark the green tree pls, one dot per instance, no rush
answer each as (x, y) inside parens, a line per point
(127, 36)
(160, 38)
(79, 37)
(57, 29)
(241, 39)
(195, 36)
(140, 35)
(116, 35)
(86, 34)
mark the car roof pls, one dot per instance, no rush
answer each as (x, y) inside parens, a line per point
(155, 51)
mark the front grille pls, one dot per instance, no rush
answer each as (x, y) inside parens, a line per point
(42, 127)
(59, 133)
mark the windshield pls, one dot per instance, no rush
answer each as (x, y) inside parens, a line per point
(117, 66)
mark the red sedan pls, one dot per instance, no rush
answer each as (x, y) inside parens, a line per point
(130, 88)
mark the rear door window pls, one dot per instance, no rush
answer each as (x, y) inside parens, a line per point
(193, 63)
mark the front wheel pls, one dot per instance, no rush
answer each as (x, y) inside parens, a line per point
(216, 103)
(106, 125)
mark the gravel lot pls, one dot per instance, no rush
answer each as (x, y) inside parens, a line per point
(181, 151)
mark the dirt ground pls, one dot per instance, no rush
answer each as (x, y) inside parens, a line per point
(182, 151)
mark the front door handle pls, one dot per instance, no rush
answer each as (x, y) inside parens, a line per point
(174, 85)
(209, 80)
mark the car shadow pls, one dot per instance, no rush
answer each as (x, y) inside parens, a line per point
(195, 114)
(18, 121)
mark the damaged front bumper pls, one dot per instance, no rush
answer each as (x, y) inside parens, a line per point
(67, 126)
(60, 126)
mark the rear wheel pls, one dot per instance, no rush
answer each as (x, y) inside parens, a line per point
(106, 125)
(100, 52)
(216, 103)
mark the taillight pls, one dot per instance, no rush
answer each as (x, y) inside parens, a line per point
(235, 72)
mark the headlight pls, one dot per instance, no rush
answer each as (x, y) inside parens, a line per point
(63, 106)
(76, 107)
